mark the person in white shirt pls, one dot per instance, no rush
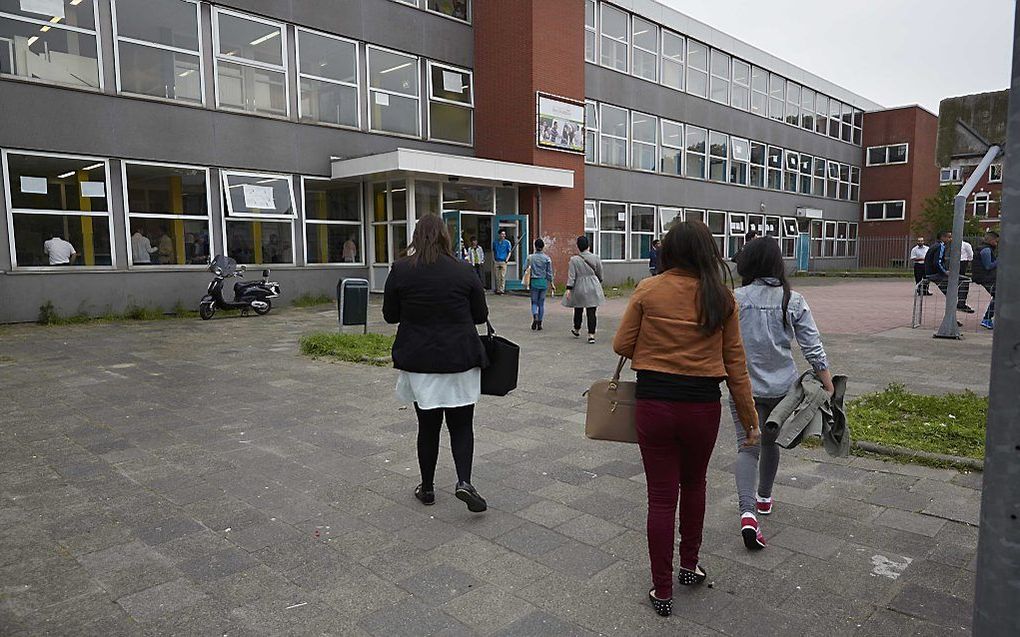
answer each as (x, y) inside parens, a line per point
(966, 256)
(476, 257)
(59, 251)
(350, 251)
(917, 254)
(141, 248)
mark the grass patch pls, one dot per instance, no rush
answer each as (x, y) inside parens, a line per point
(951, 424)
(48, 315)
(311, 300)
(372, 349)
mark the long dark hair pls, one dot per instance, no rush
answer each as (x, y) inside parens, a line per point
(762, 259)
(689, 246)
(430, 242)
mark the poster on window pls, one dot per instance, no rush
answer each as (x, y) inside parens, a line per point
(560, 124)
(53, 8)
(258, 197)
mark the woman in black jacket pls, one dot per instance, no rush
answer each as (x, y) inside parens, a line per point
(437, 301)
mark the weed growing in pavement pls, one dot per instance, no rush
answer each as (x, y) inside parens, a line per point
(311, 300)
(48, 315)
(372, 349)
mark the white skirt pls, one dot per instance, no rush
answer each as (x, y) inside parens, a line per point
(432, 391)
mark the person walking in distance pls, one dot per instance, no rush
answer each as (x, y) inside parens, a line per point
(985, 267)
(59, 251)
(682, 333)
(936, 269)
(917, 254)
(584, 288)
(501, 249)
(653, 257)
(541, 279)
(475, 257)
(966, 257)
(772, 316)
(436, 301)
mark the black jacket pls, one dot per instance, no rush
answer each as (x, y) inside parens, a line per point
(980, 274)
(437, 307)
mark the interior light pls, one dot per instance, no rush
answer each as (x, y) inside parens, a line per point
(642, 31)
(75, 3)
(32, 40)
(265, 38)
(45, 29)
(94, 166)
(186, 73)
(396, 68)
(66, 175)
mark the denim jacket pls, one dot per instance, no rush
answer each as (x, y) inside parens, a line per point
(768, 344)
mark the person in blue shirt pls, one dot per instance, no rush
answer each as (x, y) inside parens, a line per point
(985, 267)
(500, 255)
(653, 258)
(541, 267)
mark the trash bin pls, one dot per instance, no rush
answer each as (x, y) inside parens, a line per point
(352, 303)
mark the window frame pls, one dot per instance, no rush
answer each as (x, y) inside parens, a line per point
(663, 58)
(590, 129)
(722, 79)
(430, 64)
(369, 90)
(593, 29)
(625, 233)
(634, 47)
(724, 159)
(217, 58)
(955, 175)
(719, 238)
(982, 198)
(679, 151)
(991, 173)
(626, 42)
(128, 215)
(763, 166)
(734, 61)
(11, 211)
(887, 150)
(737, 163)
(594, 228)
(703, 155)
(470, 13)
(603, 133)
(362, 253)
(200, 53)
(95, 32)
(311, 76)
(735, 241)
(706, 71)
(228, 214)
(634, 142)
(764, 112)
(885, 210)
(788, 241)
(631, 232)
(660, 222)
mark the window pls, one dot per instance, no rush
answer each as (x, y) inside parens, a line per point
(694, 215)
(885, 210)
(697, 68)
(740, 156)
(591, 132)
(456, 9)
(772, 228)
(451, 104)
(737, 229)
(757, 178)
(777, 96)
(829, 239)
(590, 32)
(816, 238)
(716, 222)
(258, 223)
(43, 45)
(642, 230)
(844, 182)
(332, 221)
(671, 161)
(855, 183)
(672, 60)
(591, 225)
(791, 233)
(832, 182)
(818, 181)
(980, 204)
(250, 63)
(328, 79)
(756, 223)
(882, 155)
(615, 40)
(472, 198)
(834, 120)
(168, 214)
(393, 92)
(949, 175)
(613, 136)
(646, 47)
(858, 128)
(644, 133)
(719, 152)
(847, 118)
(759, 92)
(807, 109)
(697, 150)
(426, 198)
(806, 167)
(389, 218)
(612, 231)
(842, 233)
(720, 89)
(775, 166)
(792, 104)
(792, 179)
(55, 200)
(741, 93)
(821, 114)
(995, 174)
(158, 49)
(670, 216)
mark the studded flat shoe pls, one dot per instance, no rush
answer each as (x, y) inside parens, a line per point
(691, 578)
(664, 607)
(426, 497)
(469, 496)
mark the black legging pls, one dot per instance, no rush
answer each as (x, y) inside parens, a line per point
(593, 320)
(462, 440)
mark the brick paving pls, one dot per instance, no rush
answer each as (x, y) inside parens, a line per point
(195, 478)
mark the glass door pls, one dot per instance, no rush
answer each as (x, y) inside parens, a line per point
(516, 227)
(452, 219)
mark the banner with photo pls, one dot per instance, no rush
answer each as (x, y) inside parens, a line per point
(560, 124)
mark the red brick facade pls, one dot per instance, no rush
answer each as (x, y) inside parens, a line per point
(523, 47)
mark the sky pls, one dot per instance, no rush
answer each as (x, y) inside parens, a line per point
(894, 52)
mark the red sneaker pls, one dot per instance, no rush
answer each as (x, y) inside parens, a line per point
(763, 505)
(753, 539)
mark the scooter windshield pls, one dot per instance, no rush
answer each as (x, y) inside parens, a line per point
(223, 264)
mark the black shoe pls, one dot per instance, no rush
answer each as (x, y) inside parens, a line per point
(540, 326)
(426, 496)
(690, 578)
(467, 494)
(664, 607)
(966, 309)
(591, 338)
(534, 325)
(576, 333)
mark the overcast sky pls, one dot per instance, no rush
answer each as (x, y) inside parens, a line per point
(893, 52)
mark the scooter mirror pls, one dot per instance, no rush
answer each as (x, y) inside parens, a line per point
(244, 268)
(265, 274)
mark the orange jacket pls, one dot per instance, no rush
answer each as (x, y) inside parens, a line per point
(660, 333)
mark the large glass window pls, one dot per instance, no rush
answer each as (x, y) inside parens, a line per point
(668, 217)
(53, 42)
(720, 89)
(389, 220)
(612, 231)
(168, 214)
(832, 181)
(719, 152)
(697, 68)
(393, 93)
(882, 155)
(697, 151)
(777, 96)
(847, 124)
(741, 91)
(672, 60)
(885, 210)
(716, 221)
(739, 160)
(671, 161)
(590, 31)
(775, 166)
(458, 196)
(328, 79)
(644, 135)
(456, 9)
(646, 49)
(807, 109)
(829, 243)
(615, 38)
(613, 136)
(738, 228)
(806, 166)
(642, 230)
(759, 91)
(792, 177)
(591, 225)
(834, 118)
(591, 132)
(158, 50)
(451, 104)
(332, 221)
(818, 181)
(821, 114)
(793, 104)
(858, 135)
(791, 233)
(855, 183)
(251, 64)
(259, 217)
(758, 154)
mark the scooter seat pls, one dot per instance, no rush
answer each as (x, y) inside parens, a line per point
(241, 286)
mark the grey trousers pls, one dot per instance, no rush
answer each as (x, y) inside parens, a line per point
(757, 464)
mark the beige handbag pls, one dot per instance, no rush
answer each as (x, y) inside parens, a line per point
(610, 413)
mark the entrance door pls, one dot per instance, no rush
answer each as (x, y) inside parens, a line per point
(516, 227)
(452, 219)
(803, 252)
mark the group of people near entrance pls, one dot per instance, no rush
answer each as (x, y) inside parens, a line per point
(685, 331)
(931, 265)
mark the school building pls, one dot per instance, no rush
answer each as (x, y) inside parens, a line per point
(309, 137)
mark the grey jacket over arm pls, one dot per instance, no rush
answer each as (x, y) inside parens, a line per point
(808, 410)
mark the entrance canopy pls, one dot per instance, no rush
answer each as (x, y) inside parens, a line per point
(405, 160)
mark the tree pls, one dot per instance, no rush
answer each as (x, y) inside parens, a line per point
(937, 214)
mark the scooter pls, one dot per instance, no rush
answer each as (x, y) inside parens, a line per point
(254, 295)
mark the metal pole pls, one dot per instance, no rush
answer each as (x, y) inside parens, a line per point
(949, 328)
(997, 600)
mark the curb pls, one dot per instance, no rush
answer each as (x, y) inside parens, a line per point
(903, 452)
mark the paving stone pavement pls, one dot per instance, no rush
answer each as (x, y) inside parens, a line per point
(194, 478)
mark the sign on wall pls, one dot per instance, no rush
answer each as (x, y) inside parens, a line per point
(560, 124)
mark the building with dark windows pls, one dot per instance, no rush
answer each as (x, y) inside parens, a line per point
(309, 137)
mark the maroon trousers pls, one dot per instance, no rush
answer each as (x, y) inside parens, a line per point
(676, 441)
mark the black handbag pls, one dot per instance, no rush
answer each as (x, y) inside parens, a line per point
(500, 377)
